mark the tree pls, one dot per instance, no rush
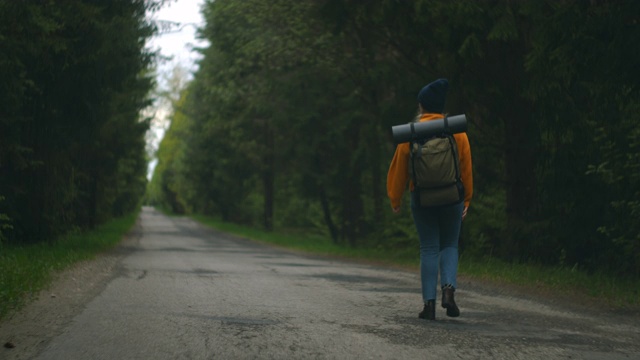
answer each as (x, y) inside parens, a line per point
(74, 81)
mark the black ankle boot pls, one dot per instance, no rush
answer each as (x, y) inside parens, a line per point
(429, 311)
(448, 302)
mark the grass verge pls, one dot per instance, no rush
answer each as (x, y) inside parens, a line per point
(25, 270)
(607, 290)
(598, 288)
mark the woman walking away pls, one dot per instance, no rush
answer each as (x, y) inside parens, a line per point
(438, 221)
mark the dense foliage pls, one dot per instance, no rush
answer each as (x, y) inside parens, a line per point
(75, 75)
(287, 122)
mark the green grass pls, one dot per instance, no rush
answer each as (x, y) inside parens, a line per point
(610, 290)
(571, 283)
(25, 270)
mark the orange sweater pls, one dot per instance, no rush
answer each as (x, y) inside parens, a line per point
(398, 175)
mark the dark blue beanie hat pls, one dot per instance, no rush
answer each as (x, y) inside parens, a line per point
(432, 96)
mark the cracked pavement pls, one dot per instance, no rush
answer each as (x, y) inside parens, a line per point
(177, 290)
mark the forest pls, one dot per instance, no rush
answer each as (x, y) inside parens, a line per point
(75, 77)
(286, 124)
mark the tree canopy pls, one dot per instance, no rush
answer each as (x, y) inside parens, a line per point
(287, 122)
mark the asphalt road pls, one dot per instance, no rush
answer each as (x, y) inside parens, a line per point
(178, 290)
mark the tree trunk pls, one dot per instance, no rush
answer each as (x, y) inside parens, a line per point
(376, 175)
(268, 183)
(326, 210)
(93, 202)
(268, 178)
(520, 163)
(352, 210)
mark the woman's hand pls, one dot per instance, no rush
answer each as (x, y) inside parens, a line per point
(464, 212)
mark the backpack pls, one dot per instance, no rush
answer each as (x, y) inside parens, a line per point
(435, 170)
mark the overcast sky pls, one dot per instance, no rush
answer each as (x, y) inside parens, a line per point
(178, 45)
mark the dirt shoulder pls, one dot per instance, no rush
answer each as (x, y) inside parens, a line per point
(25, 333)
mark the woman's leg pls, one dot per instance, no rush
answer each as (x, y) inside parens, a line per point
(450, 221)
(426, 221)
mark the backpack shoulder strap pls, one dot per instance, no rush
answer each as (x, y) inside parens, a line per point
(456, 157)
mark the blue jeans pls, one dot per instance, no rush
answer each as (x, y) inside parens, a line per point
(439, 230)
